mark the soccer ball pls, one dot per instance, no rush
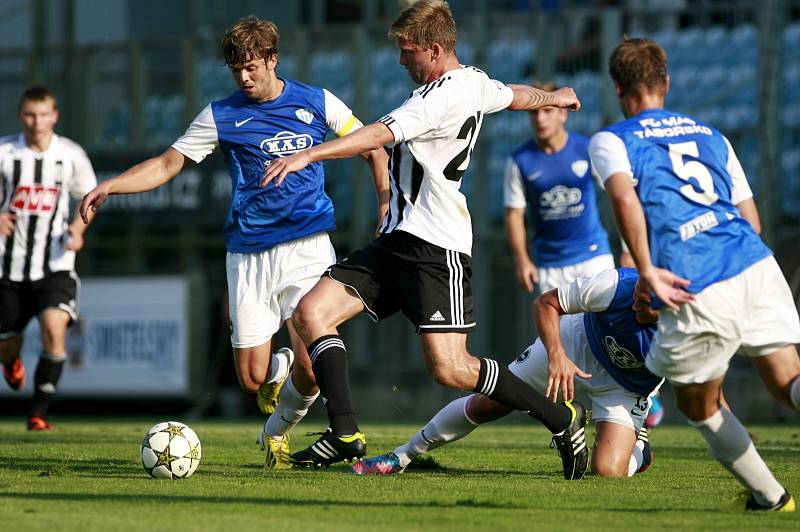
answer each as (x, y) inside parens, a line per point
(170, 450)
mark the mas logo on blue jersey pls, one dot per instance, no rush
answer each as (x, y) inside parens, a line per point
(305, 115)
(580, 167)
(621, 357)
(286, 143)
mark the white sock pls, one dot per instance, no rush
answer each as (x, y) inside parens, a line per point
(292, 407)
(794, 392)
(451, 423)
(278, 367)
(732, 447)
(637, 458)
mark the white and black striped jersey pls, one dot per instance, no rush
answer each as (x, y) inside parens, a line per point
(36, 187)
(434, 133)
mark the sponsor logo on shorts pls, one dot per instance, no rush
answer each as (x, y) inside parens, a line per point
(437, 316)
(525, 354)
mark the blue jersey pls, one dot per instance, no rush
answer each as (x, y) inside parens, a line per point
(250, 135)
(618, 341)
(560, 196)
(682, 173)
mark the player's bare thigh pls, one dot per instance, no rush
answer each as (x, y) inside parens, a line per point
(448, 360)
(613, 445)
(324, 308)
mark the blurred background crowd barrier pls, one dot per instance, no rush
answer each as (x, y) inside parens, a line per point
(131, 74)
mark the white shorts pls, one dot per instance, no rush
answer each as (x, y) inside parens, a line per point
(753, 310)
(550, 278)
(610, 400)
(264, 288)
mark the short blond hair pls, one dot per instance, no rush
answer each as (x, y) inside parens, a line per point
(426, 22)
(250, 38)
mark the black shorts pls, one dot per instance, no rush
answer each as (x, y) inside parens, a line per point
(399, 271)
(21, 301)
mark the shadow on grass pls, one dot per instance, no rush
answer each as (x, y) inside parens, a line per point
(161, 499)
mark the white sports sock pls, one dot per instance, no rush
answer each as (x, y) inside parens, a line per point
(451, 423)
(794, 392)
(292, 407)
(278, 367)
(732, 447)
(636, 458)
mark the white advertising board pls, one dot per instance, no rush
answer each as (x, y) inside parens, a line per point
(131, 339)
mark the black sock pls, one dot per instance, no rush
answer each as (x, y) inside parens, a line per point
(329, 361)
(498, 383)
(48, 372)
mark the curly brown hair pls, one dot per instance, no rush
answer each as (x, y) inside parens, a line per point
(426, 22)
(250, 38)
(638, 65)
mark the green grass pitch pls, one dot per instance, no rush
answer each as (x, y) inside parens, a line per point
(86, 476)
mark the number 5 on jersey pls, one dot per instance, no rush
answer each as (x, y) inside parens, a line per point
(687, 170)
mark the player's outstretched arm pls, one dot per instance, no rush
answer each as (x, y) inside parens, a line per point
(527, 98)
(367, 138)
(145, 176)
(561, 371)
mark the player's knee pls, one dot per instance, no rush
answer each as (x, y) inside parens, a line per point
(249, 382)
(305, 314)
(606, 467)
(445, 376)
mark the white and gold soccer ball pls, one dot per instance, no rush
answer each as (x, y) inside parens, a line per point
(170, 450)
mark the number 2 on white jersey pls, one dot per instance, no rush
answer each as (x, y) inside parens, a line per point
(687, 170)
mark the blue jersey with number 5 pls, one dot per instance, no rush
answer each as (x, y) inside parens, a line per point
(680, 167)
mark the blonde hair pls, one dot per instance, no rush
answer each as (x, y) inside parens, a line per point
(426, 22)
(250, 38)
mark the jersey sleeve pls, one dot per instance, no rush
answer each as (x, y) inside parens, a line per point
(84, 178)
(608, 156)
(496, 95)
(200, 138)
(589, 294)
(338, 116)
(513, 188)
(415, 117)
(740, 188)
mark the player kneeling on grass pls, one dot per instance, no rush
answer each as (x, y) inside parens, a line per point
(603, 341)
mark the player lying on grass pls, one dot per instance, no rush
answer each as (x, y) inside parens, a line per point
(603, 341)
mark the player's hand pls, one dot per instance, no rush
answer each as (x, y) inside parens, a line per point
(667, 286)
(527, 276)
(7, 222)
(561, 372)
(278, 168)
(566, 97)
(74, 240)
(93, 200)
